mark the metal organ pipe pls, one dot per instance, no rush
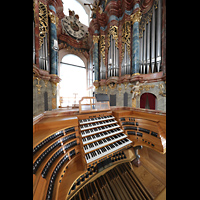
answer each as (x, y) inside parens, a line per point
(125, 62)
(145, 52)
(141, 54)
(33, 42)
(153, 41)
(158, 37)
(117, 61)
(148, 46)
(46, 54)
(111, 63)
(114, 55)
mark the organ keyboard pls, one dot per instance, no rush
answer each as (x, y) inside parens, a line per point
(101, 137)
(66, 159)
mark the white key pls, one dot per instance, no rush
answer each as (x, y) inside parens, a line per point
(98, 125)
(95, 132)
(102, 137)
(116, 148)
(103, 144)
(81, 123)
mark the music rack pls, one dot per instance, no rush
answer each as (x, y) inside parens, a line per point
(90, 104)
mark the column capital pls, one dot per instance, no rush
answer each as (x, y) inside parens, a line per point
(136, 17)
(95, 39)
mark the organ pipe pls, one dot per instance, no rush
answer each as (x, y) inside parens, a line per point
(145, 52)
(153, 41)
(113, 58)
(141, 54)
(158, 37)
(148, 46)
(114, 55)
(33, 42)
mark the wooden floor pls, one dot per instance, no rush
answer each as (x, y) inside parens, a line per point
(152, 172)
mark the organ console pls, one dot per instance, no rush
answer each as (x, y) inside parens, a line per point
(82, 155)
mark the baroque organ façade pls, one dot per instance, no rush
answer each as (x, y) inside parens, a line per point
(128, 46)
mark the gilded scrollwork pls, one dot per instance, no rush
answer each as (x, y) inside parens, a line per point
(43, 20)
(126, 36)
(114, 32)
(102, 47)
(162, 91)
(52, 17)
(112, 85)
(146, 87)
(95, 39)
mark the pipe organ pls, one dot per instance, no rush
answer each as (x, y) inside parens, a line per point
(129, 49)
(118, 59)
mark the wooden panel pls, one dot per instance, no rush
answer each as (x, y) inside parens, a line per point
(56, 122)
(38, 195)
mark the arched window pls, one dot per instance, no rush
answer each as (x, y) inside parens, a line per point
(78, 9)
(73, 80)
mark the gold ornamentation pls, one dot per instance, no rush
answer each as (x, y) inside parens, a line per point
(46, 82)
(126, 36)
(136, 17)
(162, 91)
(125, 85)
(114, 32)
(52, 17)
(112, 85)
(102, 47)
(43, 20)
(95, 39)
(146, 87)
(54, 88)
(38, 85)
(135, 74)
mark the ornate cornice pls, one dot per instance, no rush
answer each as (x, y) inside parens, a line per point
(43, 74)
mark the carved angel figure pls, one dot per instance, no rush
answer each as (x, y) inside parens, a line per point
(94, 7)
(135, 90)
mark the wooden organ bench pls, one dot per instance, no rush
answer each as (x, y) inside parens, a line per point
(72, 153)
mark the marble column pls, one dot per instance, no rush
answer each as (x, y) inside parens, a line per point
(53, 36)
(96, 57)
(136, 17)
